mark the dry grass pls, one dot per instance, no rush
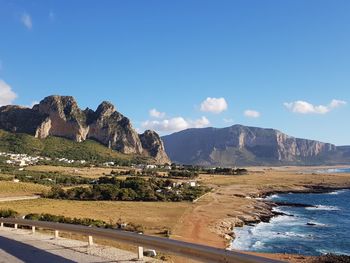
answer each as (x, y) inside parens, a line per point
(154, 216)
(89, 172)
(11, 189)
(276, 178)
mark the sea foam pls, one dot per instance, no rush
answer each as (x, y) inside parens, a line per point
(323, 207)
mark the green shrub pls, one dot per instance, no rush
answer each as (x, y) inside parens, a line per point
(130, 189)
(8, 213)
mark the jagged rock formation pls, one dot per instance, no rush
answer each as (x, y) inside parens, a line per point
(150, 140)
(61, 116)
(241, 145)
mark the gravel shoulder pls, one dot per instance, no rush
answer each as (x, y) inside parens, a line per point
(22, 246)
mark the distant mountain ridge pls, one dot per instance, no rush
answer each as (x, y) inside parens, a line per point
(242, 145)
(60, 116)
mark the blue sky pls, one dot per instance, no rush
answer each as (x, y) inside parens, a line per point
(278, 64)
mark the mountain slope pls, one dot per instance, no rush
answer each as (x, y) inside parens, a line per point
(56, 147)
(242, 145)
(60, 116)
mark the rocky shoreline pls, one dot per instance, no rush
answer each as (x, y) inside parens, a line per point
(263, 210)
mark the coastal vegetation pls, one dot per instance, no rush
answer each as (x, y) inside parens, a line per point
(50, 178)
(227, 171)
(10, 213)
(130, 189)
(183, 174)
(43, 178)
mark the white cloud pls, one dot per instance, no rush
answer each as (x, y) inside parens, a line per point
(252, 114)
(175, 124)
(27, 21)
(304, 107)
(156, 114)
(214, 105)
(336, 103)
(7, 96)
(200, 123)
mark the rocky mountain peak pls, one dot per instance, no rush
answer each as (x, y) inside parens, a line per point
(57, 102)
(61, 116)
(105, 108)
(152, 141)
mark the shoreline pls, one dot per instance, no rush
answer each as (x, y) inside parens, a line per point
(269, 205)
(312, 189)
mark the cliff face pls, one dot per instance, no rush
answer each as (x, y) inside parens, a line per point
(241, 145)
(61, 116)
(113, 129)
(151, 140)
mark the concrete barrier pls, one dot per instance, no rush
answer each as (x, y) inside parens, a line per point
(185, 249)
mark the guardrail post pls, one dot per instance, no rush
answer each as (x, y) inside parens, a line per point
(91, 241)
(16, 226)
(140, 253)
(2, 224)
(56, 234)
(33, 229)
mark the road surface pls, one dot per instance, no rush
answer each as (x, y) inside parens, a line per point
(18, 198)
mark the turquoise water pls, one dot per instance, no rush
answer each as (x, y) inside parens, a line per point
(323, 228)
(334, 170)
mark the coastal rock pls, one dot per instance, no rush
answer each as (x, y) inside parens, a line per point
(225, 227)
(61, 116)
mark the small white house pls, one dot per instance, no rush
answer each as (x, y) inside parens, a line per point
(22, 163)
(192, 183)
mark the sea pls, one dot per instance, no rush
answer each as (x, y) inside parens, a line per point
(333, 170)
(321, 228)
